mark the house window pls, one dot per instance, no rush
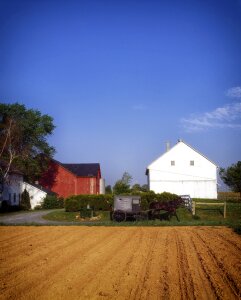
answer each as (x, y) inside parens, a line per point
(9, 196)
(14, 197)
(191, 162)
(172, 162)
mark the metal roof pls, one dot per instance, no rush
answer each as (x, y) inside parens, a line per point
(83, 170)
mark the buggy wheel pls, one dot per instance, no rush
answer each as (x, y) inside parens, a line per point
(119, 216)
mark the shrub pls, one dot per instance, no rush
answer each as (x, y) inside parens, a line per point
(96, 202)
(165, 196)
(4, 207)
(71, 205)
(105, 202)
(25, 201)
(38, 207)
(52, 202)
(148, 197)
(87, 213)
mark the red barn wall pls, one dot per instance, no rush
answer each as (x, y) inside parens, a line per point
(66, 183)
(85, 185)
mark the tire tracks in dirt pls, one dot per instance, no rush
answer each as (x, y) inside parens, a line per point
(141, 289)
(195, 268)
(120, 263)
(42, 251)
(185, 280)
(225, 275)
(118, 271)
(43, 261)
(80, 282)
(206, 270)
(228, 241)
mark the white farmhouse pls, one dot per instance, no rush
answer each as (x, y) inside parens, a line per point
(15, 186)
(183, 170)
(36, 193)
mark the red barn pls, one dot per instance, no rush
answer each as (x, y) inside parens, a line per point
(72, 179)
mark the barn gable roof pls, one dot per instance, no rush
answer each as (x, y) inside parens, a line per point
(180, 141)
(83, 170)
(47, 191)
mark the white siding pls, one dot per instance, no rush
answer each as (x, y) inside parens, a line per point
(198, 180)
(12, 189)
(36, 195)
(15, 186)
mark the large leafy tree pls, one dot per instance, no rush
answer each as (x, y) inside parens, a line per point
(122, 186)
(232, 176)
(23, 141)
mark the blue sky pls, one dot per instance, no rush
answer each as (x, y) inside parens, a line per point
(120, 78)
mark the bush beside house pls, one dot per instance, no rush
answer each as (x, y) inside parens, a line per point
(105, 202)
(25, 201)
(96, 202)
(51, 202)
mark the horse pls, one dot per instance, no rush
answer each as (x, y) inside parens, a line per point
(169, 207)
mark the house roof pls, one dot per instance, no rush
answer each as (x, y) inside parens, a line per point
(49, 192)
(181, 141)
(83, 170)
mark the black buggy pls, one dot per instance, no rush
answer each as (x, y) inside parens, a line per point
(127, 208)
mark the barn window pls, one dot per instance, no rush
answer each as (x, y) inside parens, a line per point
(191, 162)
(172, 162)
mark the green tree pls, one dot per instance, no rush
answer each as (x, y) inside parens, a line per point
(25, 201)
(136, 188)
(144, 188)
(232, 176)
(108, 189)
(122, 186)
(23, 141)
(126, 178)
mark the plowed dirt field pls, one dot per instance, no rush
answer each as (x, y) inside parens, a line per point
(119, 263)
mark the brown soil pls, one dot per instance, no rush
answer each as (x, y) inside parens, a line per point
(119, 263)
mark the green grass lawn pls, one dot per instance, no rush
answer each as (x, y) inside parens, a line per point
(63, 216)
(205, 215)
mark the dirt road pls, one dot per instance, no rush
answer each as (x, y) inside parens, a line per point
(28, 217)
(119, 263)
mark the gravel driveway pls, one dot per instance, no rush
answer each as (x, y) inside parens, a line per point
(34, 217)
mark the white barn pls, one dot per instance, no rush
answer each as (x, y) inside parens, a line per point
(183, 170)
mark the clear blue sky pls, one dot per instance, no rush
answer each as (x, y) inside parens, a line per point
(120, 78)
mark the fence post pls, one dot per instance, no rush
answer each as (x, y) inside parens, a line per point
(193, 208)
(225, 210)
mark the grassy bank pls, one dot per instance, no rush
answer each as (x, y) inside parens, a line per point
(210, 216)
